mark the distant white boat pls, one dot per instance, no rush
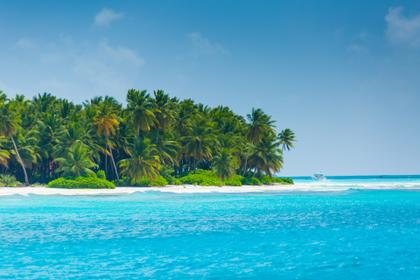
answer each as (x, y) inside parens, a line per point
(319, 176)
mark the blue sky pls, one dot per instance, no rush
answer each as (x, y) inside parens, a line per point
(343, 75)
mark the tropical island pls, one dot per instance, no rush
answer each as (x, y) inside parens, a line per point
(153, 140)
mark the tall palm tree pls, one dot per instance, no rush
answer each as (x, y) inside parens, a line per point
(287, 139)
(140, 109)
(143, 161)
(164, 109)
(200, 143)
(9, 124)
(106, 122)
(260, 124)
(77, 162)
(224, 164)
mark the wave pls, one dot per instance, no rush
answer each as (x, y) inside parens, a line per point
(343, 186)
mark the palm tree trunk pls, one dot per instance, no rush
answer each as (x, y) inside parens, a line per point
(245, 167)
(20, 161)
(113, 163)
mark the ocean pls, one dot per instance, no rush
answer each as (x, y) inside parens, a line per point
(355, 228)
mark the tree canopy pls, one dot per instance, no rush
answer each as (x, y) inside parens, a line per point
(46, 137)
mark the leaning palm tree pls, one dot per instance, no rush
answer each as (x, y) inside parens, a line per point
(260, 124)
(224, 164)
(106, 122)
(143, 161)
(9, 124)
(287, 139)
(77, 162)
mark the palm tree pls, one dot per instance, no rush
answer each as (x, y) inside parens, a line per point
(9, 124)
(287, 139)
(77, 162)
(167, 151)
(224, 164)
(140, 109)
(4, 157)
(143, 161)
(200, 143)
(164, 109)
(260, 124)
(106, 122)
(267, 157)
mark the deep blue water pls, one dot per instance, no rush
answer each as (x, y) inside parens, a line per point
(354, 234)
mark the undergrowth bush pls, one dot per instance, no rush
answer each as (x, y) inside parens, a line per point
(202, 178)
(81, 183)
(235, 180)
(251, 181)
(8, 181)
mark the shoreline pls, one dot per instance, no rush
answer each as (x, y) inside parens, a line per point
(191, 189)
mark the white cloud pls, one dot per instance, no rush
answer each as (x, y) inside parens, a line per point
(106, 16)
(25, 44)
(401, 29)
(204, 45)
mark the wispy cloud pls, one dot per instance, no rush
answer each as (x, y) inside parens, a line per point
(401, 29)
(81, 67)
(121, 54)
(106, 16)
(204, 45)
(26, 44)
(357, 48)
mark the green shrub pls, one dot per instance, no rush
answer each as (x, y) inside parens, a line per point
(81, 183)
(101, 174)
(285, 180)
(201, 178)
(173, 180)
(8, 181)
(266, 180)
(235, 180)
(167, 174)
(157, 182)
(251, 181)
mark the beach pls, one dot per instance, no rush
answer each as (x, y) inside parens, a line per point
(327, 186)
(42, 190)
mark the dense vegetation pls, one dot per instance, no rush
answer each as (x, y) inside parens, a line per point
(152, 140)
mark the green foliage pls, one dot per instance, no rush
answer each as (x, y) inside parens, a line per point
(235, 180)
(251, 181)
(77, 162)
(156, 182)
(143, 162)
(284, 180)
(202, 178)
(266, 180)
(225, 164)
(101, 174)
(47, 136)
(8, 181)
(81, 183)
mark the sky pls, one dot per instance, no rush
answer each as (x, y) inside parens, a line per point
(344, 75)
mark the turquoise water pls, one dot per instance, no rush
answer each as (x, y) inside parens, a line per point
(352, 234)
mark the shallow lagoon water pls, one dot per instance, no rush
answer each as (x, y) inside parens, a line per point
(368, 234)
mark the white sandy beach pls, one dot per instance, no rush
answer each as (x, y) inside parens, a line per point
(300, 187)
(41, 190)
